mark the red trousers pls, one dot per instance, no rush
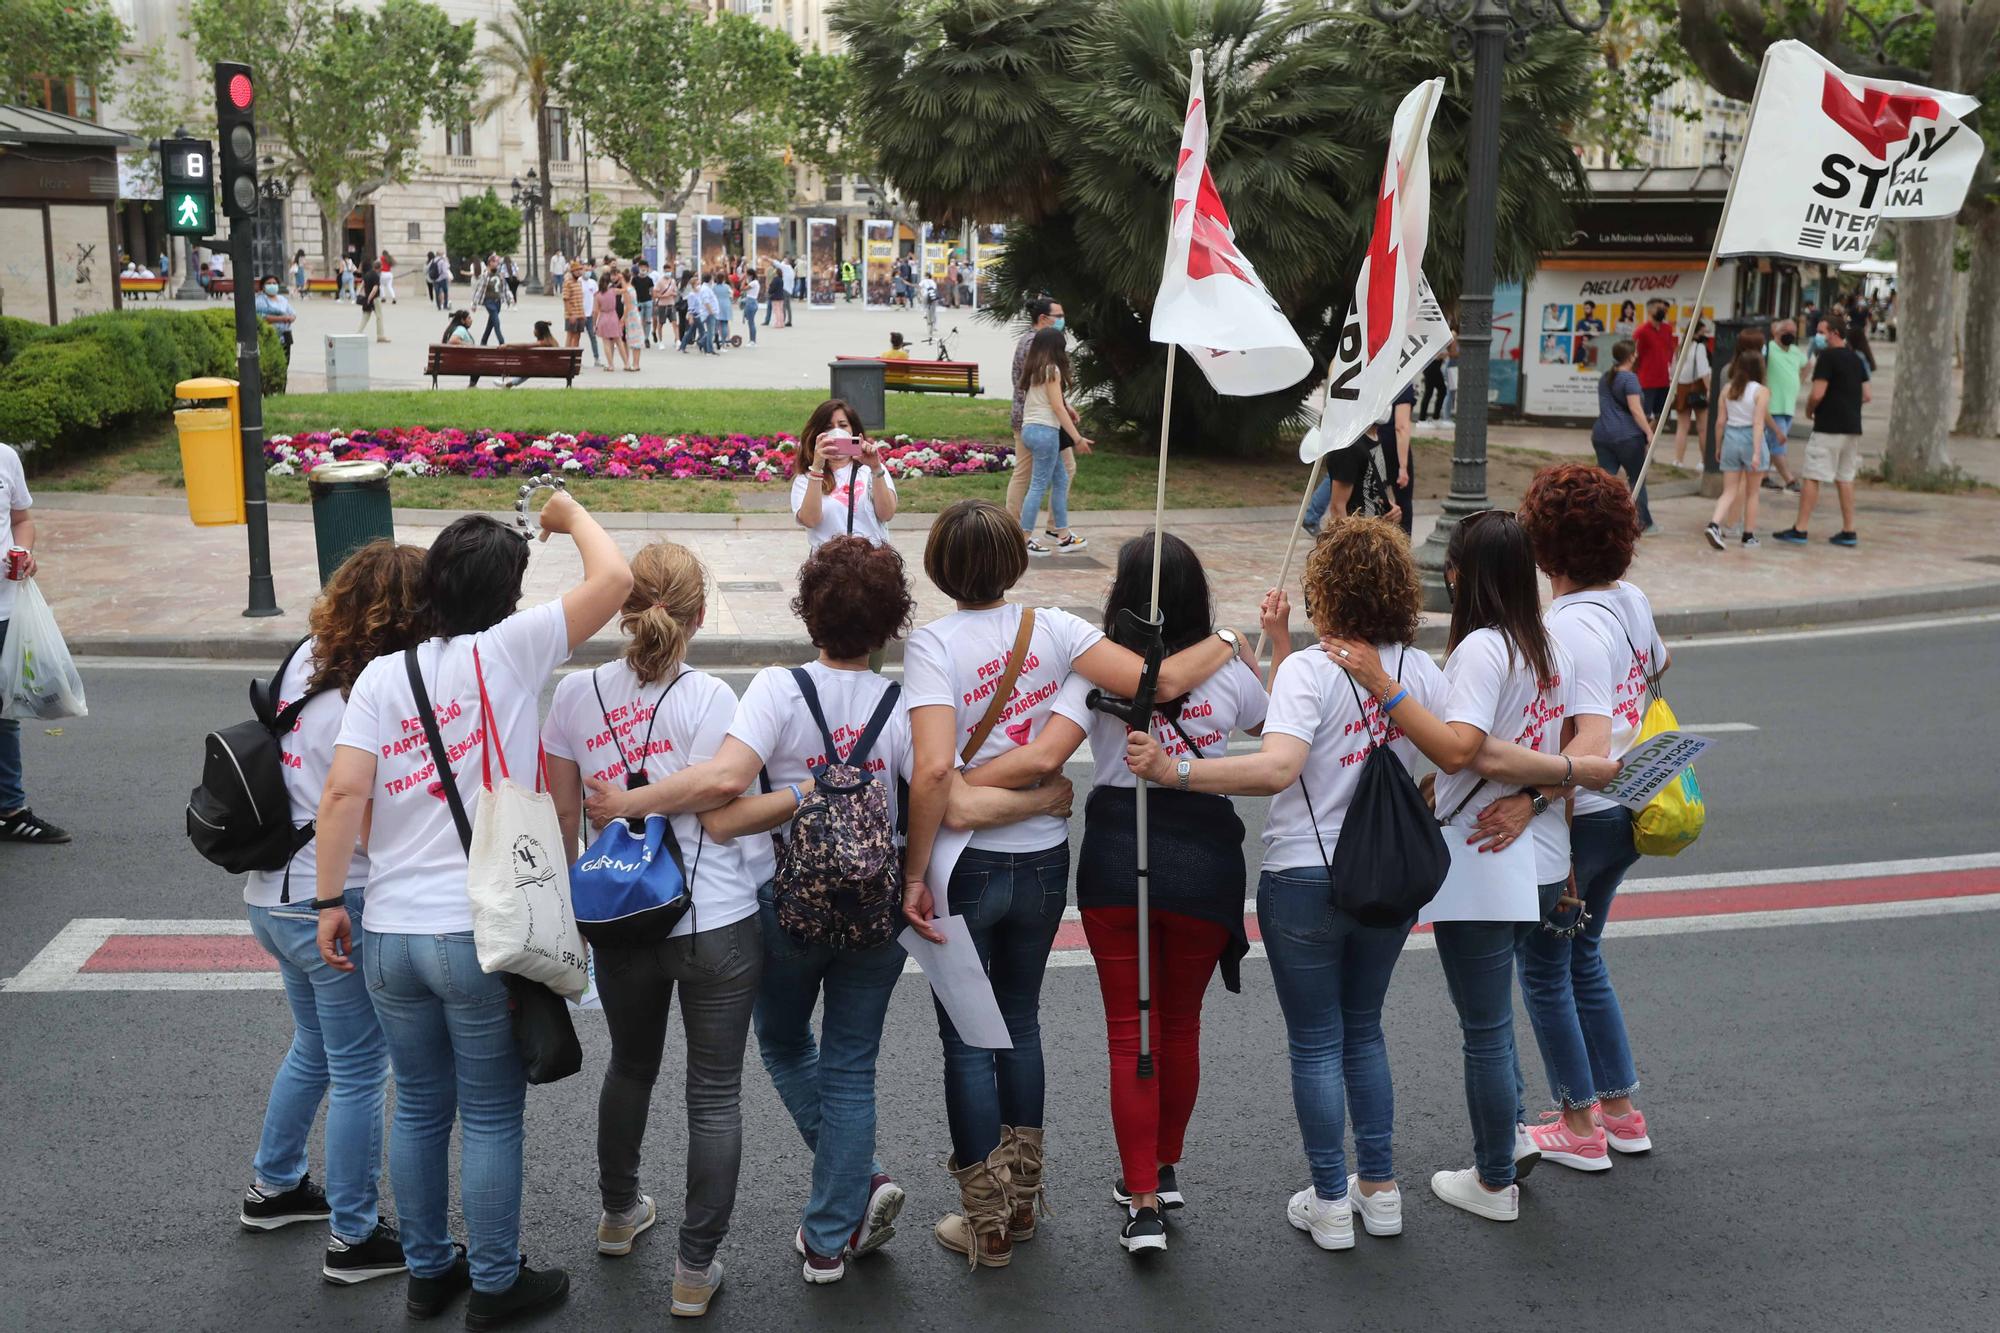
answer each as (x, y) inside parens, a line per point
(1150, 1116)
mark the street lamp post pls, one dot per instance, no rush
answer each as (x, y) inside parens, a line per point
(1483, 30)
(529, 200)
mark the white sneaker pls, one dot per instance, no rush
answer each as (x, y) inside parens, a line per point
(1527, 1153)
(1381, 1214)
(1331, 1225)
(1461, 1189)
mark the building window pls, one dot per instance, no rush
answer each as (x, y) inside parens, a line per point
(458, 140)
(557, 119)
(416, 231)
(835, 183)
(65, 97)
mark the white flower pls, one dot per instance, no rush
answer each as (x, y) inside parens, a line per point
(280, 470)
(572, 465)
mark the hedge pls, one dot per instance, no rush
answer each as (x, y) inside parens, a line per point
(62, 387)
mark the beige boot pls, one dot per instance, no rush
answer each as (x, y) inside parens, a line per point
(1022, 1149)
(980, 1232)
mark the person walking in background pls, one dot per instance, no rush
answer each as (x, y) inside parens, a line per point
(1654, 361)
(346, 273)
(492, 294)
(610, 321)
(387, 267)
(298, 273)
(1691, 398)
(17, 529)
(1046, 418)
(1746, 412)
(720, 298)
(589, 283)
(575, 312)
(643, 289)
(1622, 429)
(558, 270)
(847, 280)
(1043, 313)
(513, 276)
(1431, 405)
(666, 299)
(635, 324)
(1833, 454)
(747, 302)
(1785, 360)
(371, 304)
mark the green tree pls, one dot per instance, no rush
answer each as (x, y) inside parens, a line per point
(1064, 120)
(628, 231)
(154, 103)
(480, 226)
(530, 49)
(59, 40)
(343, 93)
(667, 93)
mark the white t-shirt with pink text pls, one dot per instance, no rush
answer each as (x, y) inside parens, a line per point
(958, 662)
(306, 752)
(416, 864)
(1610, 634)
(1229, 701)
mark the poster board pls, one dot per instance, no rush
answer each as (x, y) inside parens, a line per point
(933, 252)
(878, 250)
(768, 244)
(24, 265)
(711, 243)
(987, 241)
(658, 247)
(85, 262)
(1573, 315)
(1503, 366)
(822, 260)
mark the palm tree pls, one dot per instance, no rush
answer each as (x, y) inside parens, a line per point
(530, 50)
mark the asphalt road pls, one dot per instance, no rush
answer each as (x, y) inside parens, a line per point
(1816, 1091)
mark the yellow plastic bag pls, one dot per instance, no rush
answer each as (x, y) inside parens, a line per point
(1673, 819)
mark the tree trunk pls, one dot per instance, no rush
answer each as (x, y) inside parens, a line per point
(541, 109)
(1919, 447)
(1979, 403)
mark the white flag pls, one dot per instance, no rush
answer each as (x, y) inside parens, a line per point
(1211, 301)
(1394, 328)
(1829, 155)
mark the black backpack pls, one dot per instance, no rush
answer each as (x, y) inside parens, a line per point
(240, 817)
(1396, 861)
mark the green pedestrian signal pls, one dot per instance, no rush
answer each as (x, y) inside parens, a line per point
(189, 212)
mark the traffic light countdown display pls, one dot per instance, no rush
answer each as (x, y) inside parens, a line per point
(235, 124)
(188, 176)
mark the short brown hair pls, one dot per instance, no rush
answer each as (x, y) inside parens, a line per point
(853, 597)
(1361, 582)
(976, 552)
(1581, 522)
(371, 607)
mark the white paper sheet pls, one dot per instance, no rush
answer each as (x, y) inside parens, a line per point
(959, 981)
(1653, 765)
(1485, 886)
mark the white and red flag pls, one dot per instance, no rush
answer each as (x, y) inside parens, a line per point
(1210, 300)
(1829, 155)
(1394, 328)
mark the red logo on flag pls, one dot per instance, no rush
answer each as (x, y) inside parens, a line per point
(1210, 248)
(1876, 119)
(1382, 272)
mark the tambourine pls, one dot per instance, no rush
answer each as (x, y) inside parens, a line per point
(547, 481)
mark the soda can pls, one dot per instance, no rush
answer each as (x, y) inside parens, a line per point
(17, 563)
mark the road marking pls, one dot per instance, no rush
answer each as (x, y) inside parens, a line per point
(1834, 631)
(122, 954)
(1718, 728)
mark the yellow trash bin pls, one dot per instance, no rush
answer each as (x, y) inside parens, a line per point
(211, 451)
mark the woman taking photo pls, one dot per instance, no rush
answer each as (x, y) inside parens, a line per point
(450, 1036)
(978, 688)
(1582, 527)
(367, 610)
(1045, 419)
(627, 724)
(829, 497)
(1196, 871)
(1505, 680)
(1746, 408)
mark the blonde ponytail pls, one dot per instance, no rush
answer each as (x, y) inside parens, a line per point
(669, 592)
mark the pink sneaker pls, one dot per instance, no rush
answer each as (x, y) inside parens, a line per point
(1558, 1143)
(1626, 1132)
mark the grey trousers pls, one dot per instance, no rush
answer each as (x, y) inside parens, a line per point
(717, 971)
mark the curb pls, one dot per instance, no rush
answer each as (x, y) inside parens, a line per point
(728, 651)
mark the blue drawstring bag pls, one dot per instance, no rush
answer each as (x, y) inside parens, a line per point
(628, 889)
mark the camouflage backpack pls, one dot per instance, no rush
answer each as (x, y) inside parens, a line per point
(839, 880)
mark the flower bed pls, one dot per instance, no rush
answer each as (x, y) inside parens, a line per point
(417, 451)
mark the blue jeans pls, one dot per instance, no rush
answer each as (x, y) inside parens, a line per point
(1013, 904)
(750, 318)
(1322, 500)
(646, 322)
(1578, 1024)
(721, 333)
(1773, 443)
(1626, 456)
(1331, 973)
(829, 1087)
(1478, 960)
(769, 307)
(13, 777)
(451, 1043)
(492, 324)
(1050, 478)
(335, 1041)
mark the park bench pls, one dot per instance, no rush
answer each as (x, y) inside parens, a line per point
(221, 287)
(322, 287)
(927, 376)
(549, 363)
(141, 286)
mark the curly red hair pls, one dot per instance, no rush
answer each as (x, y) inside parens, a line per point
(1582, 523)
(1361, 582)
(853, 597)
(370, 608)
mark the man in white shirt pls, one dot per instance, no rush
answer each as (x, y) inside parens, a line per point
(17, 531)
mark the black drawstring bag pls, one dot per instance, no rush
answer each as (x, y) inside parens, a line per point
(1396, 860)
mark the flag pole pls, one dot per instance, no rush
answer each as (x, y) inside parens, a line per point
(1292, 543)
(1701, 290)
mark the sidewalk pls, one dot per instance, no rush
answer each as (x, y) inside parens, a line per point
(129, 576)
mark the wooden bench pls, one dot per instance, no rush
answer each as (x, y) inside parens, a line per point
(142, 286)
(549, 363)
(221, 287)
(926, 376)
(322, 287)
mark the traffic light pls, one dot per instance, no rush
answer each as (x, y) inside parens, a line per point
(188, 183)
(236, 126)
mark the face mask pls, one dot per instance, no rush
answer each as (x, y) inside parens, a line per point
(1788, 339)
(1058, 323)
(270, 289)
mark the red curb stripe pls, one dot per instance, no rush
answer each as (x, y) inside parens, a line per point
(180, 953)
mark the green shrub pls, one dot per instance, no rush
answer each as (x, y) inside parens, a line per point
(62, 388)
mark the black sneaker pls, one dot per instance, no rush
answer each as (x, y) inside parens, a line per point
(429, 1297)
(1714, 534)
(1772, 484)
(25, 825)
(365, 1260)
(1790, 537)
(1844, 539)
(1143, 1233)
(534, 1289)
(1169, 1191)
(303, 1202)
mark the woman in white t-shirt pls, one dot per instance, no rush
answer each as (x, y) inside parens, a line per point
(451, 1039)
(829, 499)
(1584, 530)
(1505, 680)
(368, 608)
(1691, 395)
(1195, 873)
(618, 728)
(1746, 410)
(1010, 884)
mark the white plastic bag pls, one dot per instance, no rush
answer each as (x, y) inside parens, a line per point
(518, 884)
(38, 678)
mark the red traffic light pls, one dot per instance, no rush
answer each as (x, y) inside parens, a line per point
(240, 91)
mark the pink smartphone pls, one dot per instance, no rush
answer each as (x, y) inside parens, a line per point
(839, 444)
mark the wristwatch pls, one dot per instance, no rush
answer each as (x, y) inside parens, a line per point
(1228, 636)
(1536, 799)
(1181, 771)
